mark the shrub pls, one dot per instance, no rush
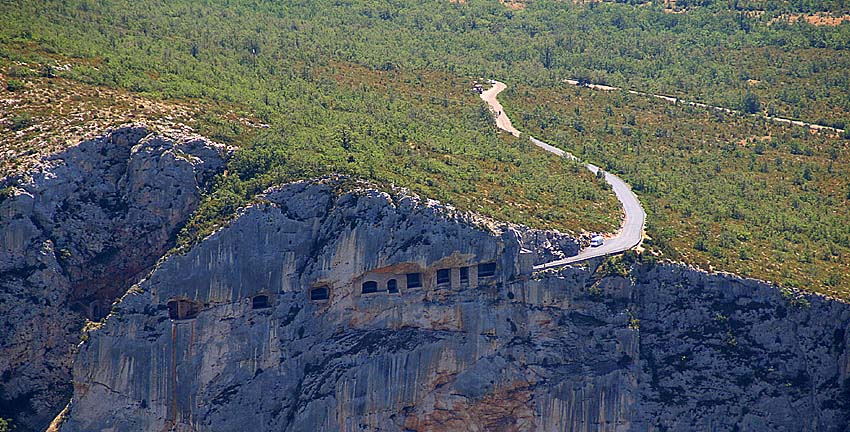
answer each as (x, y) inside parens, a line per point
(15, 85)
(750, 103)
(20, 121)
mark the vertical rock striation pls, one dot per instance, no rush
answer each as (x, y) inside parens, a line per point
(325, 309)
(74, 234)
(722, 353)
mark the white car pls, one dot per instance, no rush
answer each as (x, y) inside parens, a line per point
(596, 240)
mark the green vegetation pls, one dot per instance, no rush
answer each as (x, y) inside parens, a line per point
(20, 121)
(380, 90)
(443, 147)
(244, 48)
(14, 85)
(721, 191)
(615, 265)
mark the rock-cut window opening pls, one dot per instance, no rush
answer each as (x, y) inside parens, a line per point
(370, 287)
(392, 286)
(414, 280)
(487, 270)
(179, 309)
(444, 276)
(464, 275)
(260, 302)
(319, 293)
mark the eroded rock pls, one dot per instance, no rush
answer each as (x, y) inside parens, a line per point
(287, 319)
(74, 234)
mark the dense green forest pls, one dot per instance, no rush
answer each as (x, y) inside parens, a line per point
(238, 49)
(380, 89)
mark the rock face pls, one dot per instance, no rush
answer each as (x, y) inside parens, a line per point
(722, 353)
(324, 310)
(74, 234)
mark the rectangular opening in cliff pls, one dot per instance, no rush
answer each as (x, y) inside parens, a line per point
(414, 280)
(486, 270)
(370, 287)
(260, 302)
(392, 286)
(320, 294)
(181, 309)
(444, 276)
(464, 275)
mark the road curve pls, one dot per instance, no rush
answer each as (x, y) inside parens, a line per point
(502, 120)
(631, 232)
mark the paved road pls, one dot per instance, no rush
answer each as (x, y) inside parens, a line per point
(631, 232)
(502, 120)
(672, 99)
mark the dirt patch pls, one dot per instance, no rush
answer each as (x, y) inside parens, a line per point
(818, 19)
(46, 114)
(504, 409)
(753, 140)
(513, 4)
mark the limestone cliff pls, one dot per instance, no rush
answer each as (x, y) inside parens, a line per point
(74, 234)
(330, 309)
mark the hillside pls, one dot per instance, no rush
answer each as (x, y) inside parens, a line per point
(142, 138)
(723, 191)
(380, 89)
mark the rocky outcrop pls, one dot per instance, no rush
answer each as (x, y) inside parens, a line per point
(74, 234)
(548, 246)
(722, 353)
(323, 309)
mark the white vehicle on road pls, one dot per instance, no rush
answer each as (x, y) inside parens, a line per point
(596, 240)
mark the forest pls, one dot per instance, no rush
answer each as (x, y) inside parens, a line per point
(380, 90)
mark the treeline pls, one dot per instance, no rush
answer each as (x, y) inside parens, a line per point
(711, 53)
(380, 89)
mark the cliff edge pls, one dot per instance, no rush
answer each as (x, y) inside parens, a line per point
(327, 307)
(75, 233)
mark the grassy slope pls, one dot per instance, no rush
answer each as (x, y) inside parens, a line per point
(425, 131)
(47, 114)
(433, 136)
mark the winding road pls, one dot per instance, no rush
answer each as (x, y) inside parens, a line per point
(631, 232)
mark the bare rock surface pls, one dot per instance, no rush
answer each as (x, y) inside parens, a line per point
(75, 232)
(326, 308)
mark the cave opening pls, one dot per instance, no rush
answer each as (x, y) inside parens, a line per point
(370, 287)
(182, 309)
(414, 280)
(320, 293)
(260, 302)
(487, 270)
(444, 276)
(392, 286)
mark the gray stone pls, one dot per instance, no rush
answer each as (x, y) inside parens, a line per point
(668, 348)
(74, 234)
